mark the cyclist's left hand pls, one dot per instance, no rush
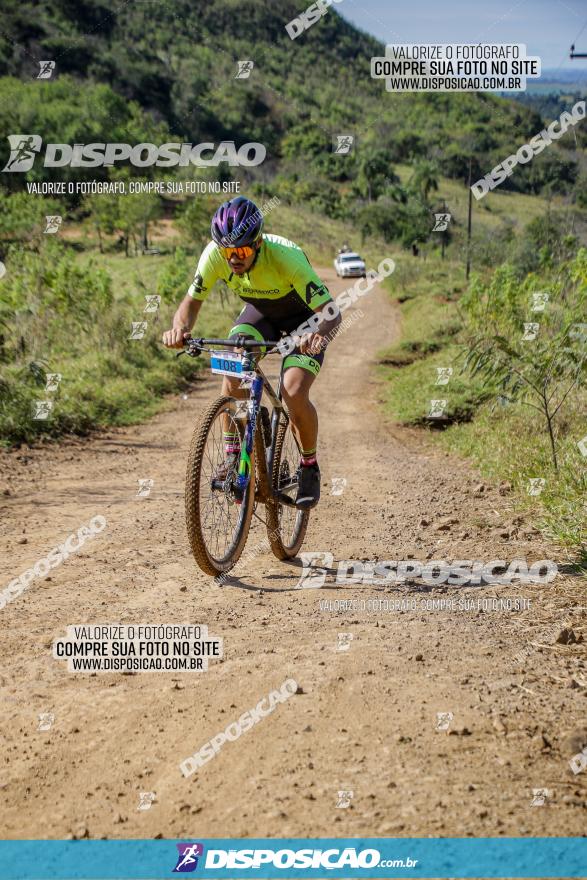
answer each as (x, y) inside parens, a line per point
(312, 343)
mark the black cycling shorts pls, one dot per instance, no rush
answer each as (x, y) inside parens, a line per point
(251, 322)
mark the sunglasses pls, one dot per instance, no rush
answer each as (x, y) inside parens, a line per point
(242, 252)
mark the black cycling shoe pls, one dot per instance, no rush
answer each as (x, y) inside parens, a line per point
(308, 486)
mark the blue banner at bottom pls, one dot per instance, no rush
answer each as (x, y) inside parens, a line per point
(289, 858)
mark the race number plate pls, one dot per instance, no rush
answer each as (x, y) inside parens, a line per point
(227, 363)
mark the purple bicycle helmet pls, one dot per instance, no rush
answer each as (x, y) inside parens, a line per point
(236, 223)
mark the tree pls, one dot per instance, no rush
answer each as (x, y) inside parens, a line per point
(530, 345)
(193, 220)
(375, 173)
(103, 214)
(424, 178)
(135, 212)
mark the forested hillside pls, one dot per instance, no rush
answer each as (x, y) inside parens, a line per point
(177, 61)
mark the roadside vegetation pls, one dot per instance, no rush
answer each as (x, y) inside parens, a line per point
(516, 406)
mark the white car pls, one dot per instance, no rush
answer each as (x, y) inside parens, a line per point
(349, 265)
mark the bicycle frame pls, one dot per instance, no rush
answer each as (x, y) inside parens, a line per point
(259, 383)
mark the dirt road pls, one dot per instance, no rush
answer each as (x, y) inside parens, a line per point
(366, 720)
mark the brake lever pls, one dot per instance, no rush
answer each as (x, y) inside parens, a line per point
(192, 347)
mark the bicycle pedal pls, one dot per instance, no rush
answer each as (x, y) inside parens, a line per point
(285, 499)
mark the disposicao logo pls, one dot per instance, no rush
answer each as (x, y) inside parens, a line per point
(187, 860)
(24, 148)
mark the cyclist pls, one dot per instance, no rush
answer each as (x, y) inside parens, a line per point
(280, 289)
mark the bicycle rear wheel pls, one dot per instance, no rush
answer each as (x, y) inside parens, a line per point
(286, 525)
(217, 525)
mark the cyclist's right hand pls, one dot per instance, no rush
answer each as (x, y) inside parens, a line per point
(176, 337)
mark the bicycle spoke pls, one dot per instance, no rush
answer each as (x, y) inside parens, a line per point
(220, 514)
(288, 516)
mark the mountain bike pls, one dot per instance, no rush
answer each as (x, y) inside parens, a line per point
(223, 492)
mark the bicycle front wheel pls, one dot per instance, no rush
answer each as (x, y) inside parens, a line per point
(286, 525)
(217, 524)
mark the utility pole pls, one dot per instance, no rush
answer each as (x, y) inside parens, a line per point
(574, 54)
(468, 269)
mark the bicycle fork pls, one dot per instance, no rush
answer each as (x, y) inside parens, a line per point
(244, 465)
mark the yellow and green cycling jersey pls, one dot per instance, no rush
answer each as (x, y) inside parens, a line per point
(281, 283)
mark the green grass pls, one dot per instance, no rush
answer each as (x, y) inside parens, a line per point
(428, 292)
(321, 237)
(506, 443)
(107, 378)
(409, 393)
(510, 443)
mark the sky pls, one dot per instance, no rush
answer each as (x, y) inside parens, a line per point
(547, 27)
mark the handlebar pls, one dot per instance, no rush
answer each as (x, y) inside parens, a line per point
(236, 342)
(195, 345)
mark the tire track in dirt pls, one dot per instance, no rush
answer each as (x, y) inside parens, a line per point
(366, 720)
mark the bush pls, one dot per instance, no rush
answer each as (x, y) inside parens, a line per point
(526, 339)
(175, 277)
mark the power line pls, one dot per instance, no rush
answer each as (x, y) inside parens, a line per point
(574, 54)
